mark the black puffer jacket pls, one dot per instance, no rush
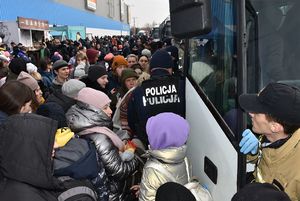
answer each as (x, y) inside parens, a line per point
(26, 164)
(58, 97)
(82, 116)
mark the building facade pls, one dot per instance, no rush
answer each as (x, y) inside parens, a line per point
(96, 17)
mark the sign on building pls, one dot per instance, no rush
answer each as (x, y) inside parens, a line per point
(91, 4)
(34, 24)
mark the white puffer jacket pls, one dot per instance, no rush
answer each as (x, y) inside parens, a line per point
(172, 159)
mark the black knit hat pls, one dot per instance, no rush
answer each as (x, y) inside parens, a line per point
(173, 191)
(59, 64)
(96, 71)
(260, 192)
(17, 65)
(161, 59)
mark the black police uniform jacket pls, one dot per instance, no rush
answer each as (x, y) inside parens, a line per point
(161, 93)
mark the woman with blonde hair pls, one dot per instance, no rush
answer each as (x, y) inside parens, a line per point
(81, 65)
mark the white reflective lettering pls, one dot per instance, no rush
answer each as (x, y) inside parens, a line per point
(144, 101)
(151, 101)
(174, 89)
(164, 89)
(147, 91)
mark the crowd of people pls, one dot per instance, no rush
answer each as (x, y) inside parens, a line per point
(100, 110)
(79, 94)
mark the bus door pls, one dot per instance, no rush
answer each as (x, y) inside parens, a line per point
(212, 89)
(233, 47)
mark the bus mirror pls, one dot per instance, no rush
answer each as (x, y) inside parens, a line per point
(190, 18)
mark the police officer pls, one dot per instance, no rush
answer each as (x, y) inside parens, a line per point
(163, 92)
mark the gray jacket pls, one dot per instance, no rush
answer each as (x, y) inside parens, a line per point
(82, 116)
(172, 159)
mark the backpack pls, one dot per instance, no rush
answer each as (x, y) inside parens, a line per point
(200, 193)
(76, 190)
(77, 159)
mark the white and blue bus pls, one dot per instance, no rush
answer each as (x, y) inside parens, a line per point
(231, 47)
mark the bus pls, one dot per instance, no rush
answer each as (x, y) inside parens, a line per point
(155, 34)
(231, 47)
(165, 29)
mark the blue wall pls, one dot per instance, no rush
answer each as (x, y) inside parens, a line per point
(55, 13)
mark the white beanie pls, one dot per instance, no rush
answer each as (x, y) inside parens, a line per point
(30, 67)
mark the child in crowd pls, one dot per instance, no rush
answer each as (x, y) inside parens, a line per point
(167, 133)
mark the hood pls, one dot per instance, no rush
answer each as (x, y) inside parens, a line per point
(49, 74)
(82, 116)
(169, 155)
(27, 146)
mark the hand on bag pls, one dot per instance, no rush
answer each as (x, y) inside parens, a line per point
(249, 142)
(130, 146)
(136, 190)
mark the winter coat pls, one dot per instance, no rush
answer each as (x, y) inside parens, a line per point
(56, 85)
(120, 116)
(3, 117)
(47, 78)
(59, 98)
(26, 148)
(280, 166)
(114, 81)
(172, 159)
(138, 114)
(82, 116)
(3, 72)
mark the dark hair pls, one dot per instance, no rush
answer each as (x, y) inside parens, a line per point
(44, 63)
(14, 95)
(143, 56)
(288, 128)
(136, 66)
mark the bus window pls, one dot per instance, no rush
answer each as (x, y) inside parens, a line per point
(278, 40)
(213, 64)
(253, 79)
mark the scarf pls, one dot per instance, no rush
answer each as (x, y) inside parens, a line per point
(109, 133)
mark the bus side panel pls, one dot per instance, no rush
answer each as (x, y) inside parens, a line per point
(207, 139)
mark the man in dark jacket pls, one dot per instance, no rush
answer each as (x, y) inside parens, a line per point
(27, 142)
(163, 92)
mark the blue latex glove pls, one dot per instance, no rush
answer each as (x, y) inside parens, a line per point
(249, 142)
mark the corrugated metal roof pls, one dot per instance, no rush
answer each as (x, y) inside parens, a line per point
(55, 13)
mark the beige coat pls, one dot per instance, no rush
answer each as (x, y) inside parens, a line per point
(283, 165)
(172, 160)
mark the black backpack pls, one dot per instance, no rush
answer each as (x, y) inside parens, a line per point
(77, 159)
(76, 190)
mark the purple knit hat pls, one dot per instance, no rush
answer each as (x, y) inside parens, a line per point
(167, 130)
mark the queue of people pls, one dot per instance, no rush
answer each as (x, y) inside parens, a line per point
(118, 102)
